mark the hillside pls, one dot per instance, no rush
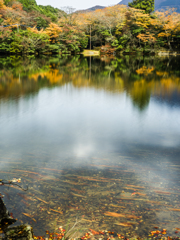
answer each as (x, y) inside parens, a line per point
(42, 14)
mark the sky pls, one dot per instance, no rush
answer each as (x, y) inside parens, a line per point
(78, 4)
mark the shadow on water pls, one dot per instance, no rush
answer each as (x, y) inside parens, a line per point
(96, 140)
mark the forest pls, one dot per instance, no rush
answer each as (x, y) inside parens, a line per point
(28, 28)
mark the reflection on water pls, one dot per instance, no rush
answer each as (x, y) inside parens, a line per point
(96, 140)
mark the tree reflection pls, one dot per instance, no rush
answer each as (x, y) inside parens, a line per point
(139, 77)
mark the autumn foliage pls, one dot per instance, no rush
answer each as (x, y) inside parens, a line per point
(113, 29)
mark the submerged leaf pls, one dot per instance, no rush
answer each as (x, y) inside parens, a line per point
(113, 214)
(28, 215)
(94, 232)
(125, 224)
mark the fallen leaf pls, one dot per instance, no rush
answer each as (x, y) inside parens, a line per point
(56, 211)
(78, 195)
(27, 172)
(28, 215)
(141, 194)
(125, 224)
(94, 232)
(162, 192)
(113, 214)
(134, 186)
(174, 209)
(93, 179)
(42, 200)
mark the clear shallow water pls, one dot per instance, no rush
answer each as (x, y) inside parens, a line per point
(92, 138)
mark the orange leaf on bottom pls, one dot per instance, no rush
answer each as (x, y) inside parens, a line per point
(94, 232)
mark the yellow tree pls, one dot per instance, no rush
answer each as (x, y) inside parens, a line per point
(2, 6)
(53, 32)
(141, 18)
(147, 37)
(169, 24)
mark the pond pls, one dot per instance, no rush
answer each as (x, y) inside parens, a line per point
(96, 140)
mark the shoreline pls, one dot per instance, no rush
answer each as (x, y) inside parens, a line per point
(96, 53)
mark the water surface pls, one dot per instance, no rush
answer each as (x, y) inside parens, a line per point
(92, 138)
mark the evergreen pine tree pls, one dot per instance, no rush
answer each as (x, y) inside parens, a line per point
(147, 5)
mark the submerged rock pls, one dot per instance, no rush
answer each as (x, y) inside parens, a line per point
(5, 218)
(22, 232)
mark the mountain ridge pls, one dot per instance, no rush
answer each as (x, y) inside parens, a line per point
(159, 5)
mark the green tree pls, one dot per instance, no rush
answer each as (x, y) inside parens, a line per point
(147, 5)
(41, 22)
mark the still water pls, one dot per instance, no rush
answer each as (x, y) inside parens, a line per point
(95, 140)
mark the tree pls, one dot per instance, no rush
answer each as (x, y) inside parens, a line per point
(41, 22)
(147, 5)
(167, 25)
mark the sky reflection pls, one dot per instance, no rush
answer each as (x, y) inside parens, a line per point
(86, 121)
